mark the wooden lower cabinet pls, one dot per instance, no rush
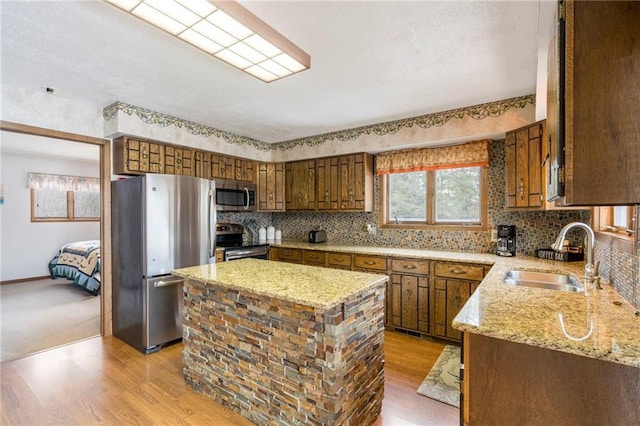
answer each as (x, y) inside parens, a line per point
(283, 254)
(508, 383)
(449, 297)
(422, 296)
(314, 257)
(408, 298)
(339, 260)
(453, 285)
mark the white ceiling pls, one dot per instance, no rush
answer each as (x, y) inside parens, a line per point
(370, 62)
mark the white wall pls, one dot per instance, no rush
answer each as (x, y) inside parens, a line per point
(39, 109)
(25, 247)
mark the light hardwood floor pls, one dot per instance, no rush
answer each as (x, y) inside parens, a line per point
(103, 380)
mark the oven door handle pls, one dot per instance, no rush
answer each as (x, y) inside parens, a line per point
(239, 254)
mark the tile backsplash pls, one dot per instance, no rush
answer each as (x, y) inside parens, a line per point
(535, 229)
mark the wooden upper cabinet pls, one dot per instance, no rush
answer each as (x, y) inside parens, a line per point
(222, 167)
(300, 188)
(356, 182)
(202, 162)
(345, 183)
(245, 170)
(179, 161)
(271, 185)
(601, 91)
(523, 167)
(327, 183)
(135, 156)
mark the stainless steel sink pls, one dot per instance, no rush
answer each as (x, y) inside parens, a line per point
(544, 280)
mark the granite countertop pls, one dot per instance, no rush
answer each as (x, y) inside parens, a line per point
(600, 324)
(314, 286)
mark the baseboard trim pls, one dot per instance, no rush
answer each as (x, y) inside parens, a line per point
(24, 280)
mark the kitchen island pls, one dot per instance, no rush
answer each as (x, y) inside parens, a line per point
(283, 343)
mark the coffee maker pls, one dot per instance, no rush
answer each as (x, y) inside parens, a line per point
(506, 240)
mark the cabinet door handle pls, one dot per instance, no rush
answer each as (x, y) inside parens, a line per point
(339, 259)
(369, 262)
(521, 188)
(410, 266)
(458, 271)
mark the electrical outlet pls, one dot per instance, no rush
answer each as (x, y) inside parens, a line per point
(371, 229)
(494, 235)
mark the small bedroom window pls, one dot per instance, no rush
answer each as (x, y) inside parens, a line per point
(60, 198)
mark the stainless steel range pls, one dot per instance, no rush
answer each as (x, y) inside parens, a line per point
(229, 236)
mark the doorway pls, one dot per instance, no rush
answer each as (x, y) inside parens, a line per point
(105, 205)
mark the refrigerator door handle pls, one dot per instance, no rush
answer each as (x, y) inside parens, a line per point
(212, 223)
(167, 283)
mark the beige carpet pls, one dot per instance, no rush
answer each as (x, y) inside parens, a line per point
(43, 314)
(443, 381)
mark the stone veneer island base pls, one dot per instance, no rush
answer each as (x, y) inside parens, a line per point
(286, 344)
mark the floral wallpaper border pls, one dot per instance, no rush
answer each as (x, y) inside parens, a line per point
(439, 119)
(163, 120)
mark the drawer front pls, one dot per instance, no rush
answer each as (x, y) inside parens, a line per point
(460, 271)
(371, 262)
(291, 255)
(410, 266)
(316, 257)
(339, 259)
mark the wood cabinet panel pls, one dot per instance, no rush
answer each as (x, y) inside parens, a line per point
(370, 262)
(285, 254)
(453, 284)
(502, 378)
(300, 189)
(314, 257)
(356, 182)
(202, 163)
(459, 271)
(223, 167)
(510, 169)
(412, 266)
(523, 167)
(271, 183)
(328, 183)
(135, 156)
(178, 161)
(340, 260)
(245, 170)
(601, 126)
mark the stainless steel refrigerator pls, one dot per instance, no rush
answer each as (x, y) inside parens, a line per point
(159, 223)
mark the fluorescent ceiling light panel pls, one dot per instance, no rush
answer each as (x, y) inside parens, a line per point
(200, 41)
(159, 19)
(225, 30)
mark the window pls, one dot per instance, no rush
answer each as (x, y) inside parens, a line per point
(435, 187)
(57, 198)
(616, 226)
(449, 197)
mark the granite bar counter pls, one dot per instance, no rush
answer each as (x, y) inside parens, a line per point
(286, 344)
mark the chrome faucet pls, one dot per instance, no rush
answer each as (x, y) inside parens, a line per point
(590, 269)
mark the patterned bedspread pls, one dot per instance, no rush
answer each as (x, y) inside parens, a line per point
(79, 262)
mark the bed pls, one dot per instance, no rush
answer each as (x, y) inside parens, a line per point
(79, 262)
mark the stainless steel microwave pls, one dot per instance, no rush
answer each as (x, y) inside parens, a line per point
(233, 196)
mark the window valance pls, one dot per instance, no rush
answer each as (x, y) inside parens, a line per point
(471, 154)
(63, 183)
